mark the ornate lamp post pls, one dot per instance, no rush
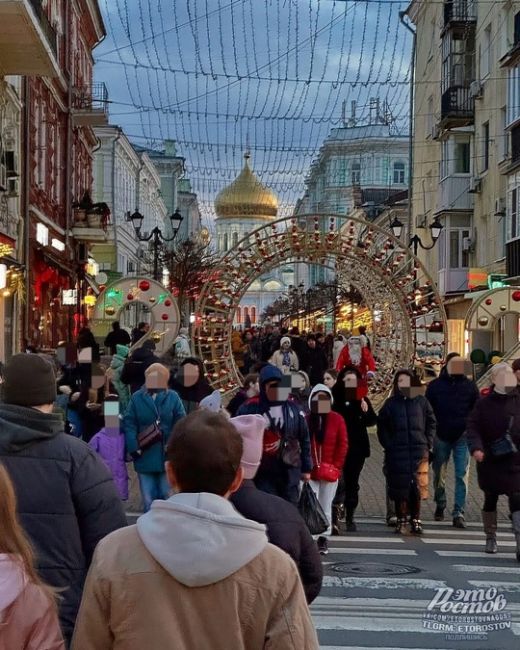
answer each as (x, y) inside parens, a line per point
(156, 235)
(435, 228)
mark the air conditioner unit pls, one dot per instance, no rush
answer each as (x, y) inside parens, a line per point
(475, 185)
(467, 244)
(476, 90)
(500, 207)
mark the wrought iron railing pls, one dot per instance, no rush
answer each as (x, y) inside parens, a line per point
(457, 102)
(460, 11)
(91, 98)
(47, 28)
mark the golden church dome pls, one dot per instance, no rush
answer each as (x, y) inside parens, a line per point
(246, 197)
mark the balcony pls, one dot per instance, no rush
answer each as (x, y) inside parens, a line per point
(453, 281)
(460, 11)
(90, 105)
(454, 194)
(457, 107)
(28, 42)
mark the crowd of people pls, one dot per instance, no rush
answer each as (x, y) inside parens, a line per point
(223, 537)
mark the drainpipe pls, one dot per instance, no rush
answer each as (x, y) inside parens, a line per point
(402, 15)
(26, 313)
(114, 144)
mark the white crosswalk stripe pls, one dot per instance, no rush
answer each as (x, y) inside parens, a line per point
(363, 611)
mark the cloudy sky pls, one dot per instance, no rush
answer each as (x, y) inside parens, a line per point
(219, 76)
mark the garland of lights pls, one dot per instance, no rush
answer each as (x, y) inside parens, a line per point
(392, 281)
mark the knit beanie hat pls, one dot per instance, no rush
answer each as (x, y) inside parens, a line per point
(251, 428)
(212, 402)
(29, 380)
(285, 339)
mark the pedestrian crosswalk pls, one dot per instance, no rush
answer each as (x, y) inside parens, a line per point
(378, 589)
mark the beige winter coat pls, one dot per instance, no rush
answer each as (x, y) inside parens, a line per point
(131, 602)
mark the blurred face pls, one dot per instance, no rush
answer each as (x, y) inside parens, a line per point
(505, 380)
(328, 380)
(410, 387)
(311, 343)
(276, 391)
(254, 388)
(350, 381)
(286, 346)
(458, 367)
(111, 413)
(321, 404)
(189, 375)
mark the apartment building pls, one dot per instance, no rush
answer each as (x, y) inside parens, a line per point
(467, 106)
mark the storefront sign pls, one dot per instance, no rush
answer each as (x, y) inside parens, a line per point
(477, 278)
(69, 297)
(42, 234)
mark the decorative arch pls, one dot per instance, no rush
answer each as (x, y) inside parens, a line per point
(393, 282)
(162, 305)
(490, 307)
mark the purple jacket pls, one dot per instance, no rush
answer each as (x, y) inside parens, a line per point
(110, 445)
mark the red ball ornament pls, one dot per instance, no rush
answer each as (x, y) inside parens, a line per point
(168, 303)
(129, 296)
(102, 287)
(144, 285)
(516, 296)
(490, 302)
(165, 316)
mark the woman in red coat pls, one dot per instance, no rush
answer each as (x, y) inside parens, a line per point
(329, 444)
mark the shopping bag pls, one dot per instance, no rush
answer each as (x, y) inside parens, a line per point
(311, 511)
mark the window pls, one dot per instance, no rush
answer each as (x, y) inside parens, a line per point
(429, 117)
(462, 158)
(485, 146)
(513, 95)
(355, 173)
(342, 172)
(444, 169)
(226, 243)
(513, 210)
(457, 256)
(504, 135)
(238, 315)
(235, 238)
(253, 315)
(485, 51)
(399, 173)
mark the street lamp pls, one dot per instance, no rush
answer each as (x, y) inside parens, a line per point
(156, 235)
(435, 230)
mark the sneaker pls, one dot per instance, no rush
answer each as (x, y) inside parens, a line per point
(416, 527)
(351, 526)
(323, 546)
(391, 522)
(439, 514)
(458, 522)
(400, 526)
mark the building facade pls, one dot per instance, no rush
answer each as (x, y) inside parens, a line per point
(58, 149)
(465, 158)
(355, 160)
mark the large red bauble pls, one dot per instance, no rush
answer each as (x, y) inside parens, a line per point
(516, 296)
(129, 297)
(168, 303)
(144, 285)
(165, 316)
(489, 301)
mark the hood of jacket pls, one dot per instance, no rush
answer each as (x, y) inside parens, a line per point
(199, 538)
(21, 427)
(320, 388)
(12, 580)
(122, 351)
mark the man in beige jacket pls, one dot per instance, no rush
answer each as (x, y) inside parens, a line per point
(193, 574)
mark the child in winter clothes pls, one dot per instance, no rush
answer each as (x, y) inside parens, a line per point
(28, 613)
(109, 443)
(114, 374)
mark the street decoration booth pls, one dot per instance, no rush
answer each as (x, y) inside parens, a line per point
(160, 304)
(394, 284)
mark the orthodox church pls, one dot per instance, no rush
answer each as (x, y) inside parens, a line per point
(242, 207)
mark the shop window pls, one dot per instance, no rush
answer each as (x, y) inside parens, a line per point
(399, 173)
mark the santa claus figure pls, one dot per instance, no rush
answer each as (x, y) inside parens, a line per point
(357, 354)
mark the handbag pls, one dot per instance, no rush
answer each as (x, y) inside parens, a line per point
(325, 471)
(290, 452)
(151, 434)
(311, 511)
(504, 446)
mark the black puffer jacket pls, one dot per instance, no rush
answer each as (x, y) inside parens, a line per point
(406, 428)
(135, 367)
(489, 421)
(67, 500)
(452, 398)
(357, 422)
(285, 529)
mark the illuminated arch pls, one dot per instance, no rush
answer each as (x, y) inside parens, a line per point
(392, 281)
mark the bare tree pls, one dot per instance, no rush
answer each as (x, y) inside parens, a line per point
(190, 265)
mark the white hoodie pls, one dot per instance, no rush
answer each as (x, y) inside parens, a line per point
(320, 388)
(199, 538)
